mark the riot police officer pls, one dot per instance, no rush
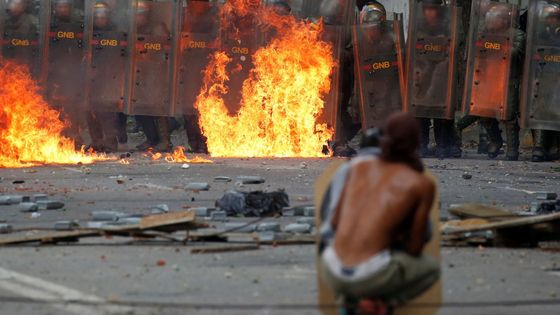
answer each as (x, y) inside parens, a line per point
(497, 19)
(103, 126)
(66, 60)
(429, 83)
(546, 143)
(156, 129)
(19, 20)
(199, 24)
(378, 65)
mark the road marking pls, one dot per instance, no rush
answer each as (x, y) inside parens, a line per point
(41, 290)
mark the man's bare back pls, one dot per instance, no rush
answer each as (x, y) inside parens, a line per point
(384, 203)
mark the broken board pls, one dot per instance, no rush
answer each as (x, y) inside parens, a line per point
(478, 211)
(431, 297)
(169, 222)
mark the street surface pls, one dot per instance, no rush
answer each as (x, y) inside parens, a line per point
(97, 271)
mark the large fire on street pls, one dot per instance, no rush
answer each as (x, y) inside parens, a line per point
(281, 99)
(30, 130)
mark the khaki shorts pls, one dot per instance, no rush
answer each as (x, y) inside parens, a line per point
(403, 279)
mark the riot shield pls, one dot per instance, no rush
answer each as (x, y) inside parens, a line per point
(22, 33)
(541, 87)
(66, 69)
(107, 44)
(378, 58)
(337, 16)
(487, 82)
(151, 78)
(199, 32)
(431, 63)
(239, 39)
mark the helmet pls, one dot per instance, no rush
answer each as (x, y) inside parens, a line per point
(143, 7)
(498, 12)
(373, 13)
(101, 9)
(552, 10)
(332, 11)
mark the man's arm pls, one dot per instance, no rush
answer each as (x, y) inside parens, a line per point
(416, 240)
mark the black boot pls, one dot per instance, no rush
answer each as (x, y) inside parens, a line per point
(538, 146)
(512, 139)
(494, 135)
(482, 141)
(148, 125)
(164, 135)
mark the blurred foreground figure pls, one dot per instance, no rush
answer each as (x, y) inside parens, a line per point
(378, 220)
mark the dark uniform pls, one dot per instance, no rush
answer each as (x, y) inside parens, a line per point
(546, 143)
(18, 19)
(105, 128)
(429, 83)
(20, 28)
(378, 65)
(511, 124)
(156, 129)
(200, 26)
(65, 83)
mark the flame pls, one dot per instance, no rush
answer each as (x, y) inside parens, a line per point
(282, 98)
(31, 131)
(178, 156)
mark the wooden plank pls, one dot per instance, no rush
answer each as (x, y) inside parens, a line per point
(432, 297)
(478, 211)
(513, 223)
(161, 220)
(170, 222)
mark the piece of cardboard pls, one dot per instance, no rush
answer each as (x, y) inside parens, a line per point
(431, 297)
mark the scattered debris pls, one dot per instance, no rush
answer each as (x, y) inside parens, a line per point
(467, 176)
(514, 232)
(185, 166)
(66, 225)
(251, 180)
(473, 210)
(107, 216)
(161, 263)
(297, 228)
(166, 223)
(241, 227)
(544, 195)
(253, 204)
(309, 211)
(310, 221)
(218, 216)
(203, 211)
(269, 227)
(28, 207)
(198, 187)
(5, 228)
(222, 179)
(213, 250)
(159, 209)
(50, 204)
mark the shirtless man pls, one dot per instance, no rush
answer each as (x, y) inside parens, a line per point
(380, 222)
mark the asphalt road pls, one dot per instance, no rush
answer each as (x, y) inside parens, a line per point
(97, 271)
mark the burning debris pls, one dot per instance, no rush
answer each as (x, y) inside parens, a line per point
(281, 99)
(31, 131)
(178, 156)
